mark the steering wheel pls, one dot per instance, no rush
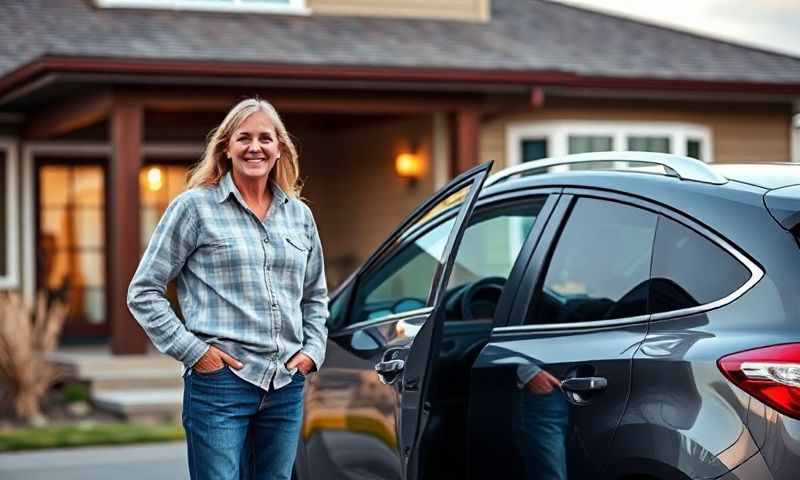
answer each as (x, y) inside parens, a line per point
(479, 300)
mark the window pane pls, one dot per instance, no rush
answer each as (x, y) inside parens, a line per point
(403, 282)
(4, 228)
(589, 143)
(492, 242)
(487, 253)
(88, 186)
(89, 226)
(91, 270)
(54, 186)
(94, 305)
(53, 227)
(600, 266)
(693, 149)
(534, 150)
(649, 144)
(690, 270)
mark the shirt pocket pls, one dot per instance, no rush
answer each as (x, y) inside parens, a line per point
(297, 244)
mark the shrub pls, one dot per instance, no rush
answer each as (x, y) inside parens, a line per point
(27, 335)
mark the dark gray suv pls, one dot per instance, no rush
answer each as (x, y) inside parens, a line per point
(640, 321)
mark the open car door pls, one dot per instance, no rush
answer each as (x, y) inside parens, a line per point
(413, 371)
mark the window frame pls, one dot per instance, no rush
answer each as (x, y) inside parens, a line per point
(557, 134)
(11, 279)
(294, 7)
(535, 274)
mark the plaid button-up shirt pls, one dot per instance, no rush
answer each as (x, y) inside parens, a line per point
(254, 289)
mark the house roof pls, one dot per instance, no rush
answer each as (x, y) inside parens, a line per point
(522, 36)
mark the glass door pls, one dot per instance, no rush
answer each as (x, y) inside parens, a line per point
(71, 242)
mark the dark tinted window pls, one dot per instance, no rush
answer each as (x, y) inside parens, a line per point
(690, 270)
(600, 267)
(534, 150)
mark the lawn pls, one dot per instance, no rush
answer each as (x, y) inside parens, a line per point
(89, 434)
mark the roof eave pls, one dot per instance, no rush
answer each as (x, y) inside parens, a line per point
(149, 67)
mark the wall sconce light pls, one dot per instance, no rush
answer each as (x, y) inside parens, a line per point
(409, 166)
(154, 179)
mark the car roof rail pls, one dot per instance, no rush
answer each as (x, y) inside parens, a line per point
(686, 168)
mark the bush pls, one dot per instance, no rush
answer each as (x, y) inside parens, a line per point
(27, 335)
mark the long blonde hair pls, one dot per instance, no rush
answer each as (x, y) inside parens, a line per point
(214, 164)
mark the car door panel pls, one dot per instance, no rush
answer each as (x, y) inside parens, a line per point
(595, 356)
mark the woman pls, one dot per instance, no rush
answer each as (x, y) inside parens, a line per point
(251, 287)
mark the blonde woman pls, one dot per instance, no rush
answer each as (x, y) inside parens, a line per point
(251, 287)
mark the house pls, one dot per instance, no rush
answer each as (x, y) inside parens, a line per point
(105, 103)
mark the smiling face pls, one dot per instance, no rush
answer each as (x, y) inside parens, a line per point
(253, 147)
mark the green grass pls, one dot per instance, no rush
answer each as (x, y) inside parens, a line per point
(83, 435)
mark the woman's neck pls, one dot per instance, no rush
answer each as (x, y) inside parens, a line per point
(254, 191)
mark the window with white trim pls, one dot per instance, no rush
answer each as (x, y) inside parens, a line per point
(265, 6)
(535, 140)
(9, 277)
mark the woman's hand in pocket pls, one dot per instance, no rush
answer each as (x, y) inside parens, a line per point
(215, 359)
(302, 362)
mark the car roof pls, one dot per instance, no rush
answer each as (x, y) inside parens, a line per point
(766, 175)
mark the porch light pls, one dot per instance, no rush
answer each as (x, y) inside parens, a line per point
(154, 179)
(410, 166)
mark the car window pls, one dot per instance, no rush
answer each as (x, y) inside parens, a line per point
(403, 280)
(488, 250)
(690, 270)
(600, 267)
(492, 242)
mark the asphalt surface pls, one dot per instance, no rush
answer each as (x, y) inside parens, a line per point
(160, 461)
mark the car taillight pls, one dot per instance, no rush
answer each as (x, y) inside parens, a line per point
(771, 374)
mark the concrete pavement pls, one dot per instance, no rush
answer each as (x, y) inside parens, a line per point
(159, 461)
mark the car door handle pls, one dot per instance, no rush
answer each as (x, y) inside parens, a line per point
(389, 370)
(584, 384)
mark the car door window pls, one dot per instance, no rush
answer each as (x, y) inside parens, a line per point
(600, 267)
(402, 281)
(690, 270)
(488, 250)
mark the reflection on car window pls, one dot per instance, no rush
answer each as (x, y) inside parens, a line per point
(492, 242)
(690, 270)
(487, 254)
(403, 281)
(601, 265)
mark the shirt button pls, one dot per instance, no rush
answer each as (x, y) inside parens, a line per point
(266, 240)
(274, 305)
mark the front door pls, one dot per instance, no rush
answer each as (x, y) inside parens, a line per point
(549, 389)
(71, 241)
(367, 405)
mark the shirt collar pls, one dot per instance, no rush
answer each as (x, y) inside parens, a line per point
(227, 187)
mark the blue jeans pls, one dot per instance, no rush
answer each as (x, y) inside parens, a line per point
(542, 434)
(235, 430)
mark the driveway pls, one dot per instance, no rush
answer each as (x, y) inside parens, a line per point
(161, 461)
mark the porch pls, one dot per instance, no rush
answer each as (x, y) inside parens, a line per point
(90, 162)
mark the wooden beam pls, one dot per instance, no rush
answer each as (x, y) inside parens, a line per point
(465, 142)
(127, 124)
(69, 116)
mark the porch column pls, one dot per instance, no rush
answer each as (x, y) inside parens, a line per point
(465, 132)
(126, 125)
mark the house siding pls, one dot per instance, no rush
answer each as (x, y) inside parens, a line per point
(353, 190)
(465, 10)
(741, 132)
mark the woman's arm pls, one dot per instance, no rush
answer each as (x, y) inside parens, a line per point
(174, 239)
(314, 302)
